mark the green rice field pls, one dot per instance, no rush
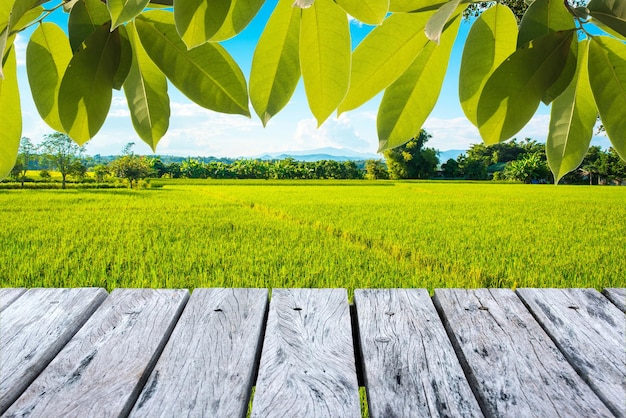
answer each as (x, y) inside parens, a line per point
(352, 234)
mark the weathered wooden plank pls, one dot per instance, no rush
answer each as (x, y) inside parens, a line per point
(34, 328)
(307, 365)
(8, 295)
(207, 368)
(589, 331)
(513, 366)
(101, 371)
(410, 368)
(617, 295)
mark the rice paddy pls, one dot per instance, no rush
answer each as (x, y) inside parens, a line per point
(352, 234)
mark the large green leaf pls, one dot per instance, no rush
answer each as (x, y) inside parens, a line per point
(85, 92)
(239, 15)
(607, 74)
(22, 8)
(371, 12)
(490, 41)
(26, 19)
(414, 5)
(407, 103)
(198, 20)
(10, 115)
(572, 119)
(276, 62)
(86, 17)
(146, 93)
(542, 18)
(611, 13)
(384, 55)
(4, 35)
(126, 58)
(207, 74)
(5, 15)
(47, 56)
(434, 26)
(325, 47)
(513, 92)
(124, 10)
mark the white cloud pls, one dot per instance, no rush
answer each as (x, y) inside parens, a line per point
(119, 108)
(339, 133)
(459, 133)
(20, 49)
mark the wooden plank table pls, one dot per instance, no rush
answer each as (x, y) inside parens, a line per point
(147, 352)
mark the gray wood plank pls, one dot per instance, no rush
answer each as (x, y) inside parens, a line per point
(617, 295)
(8, 295)
(207, 368)
(307, 365)
(34, 328)
(410, 368)
(101, 371)
(514, 367)
(589, 331)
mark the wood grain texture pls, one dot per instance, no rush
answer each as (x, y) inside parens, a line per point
(34, 328)
(514, 367)
(208, 367)
(589, 331)
(101, 371)
(8, 295)
(307, 365)
(617, 295)
(410, 368)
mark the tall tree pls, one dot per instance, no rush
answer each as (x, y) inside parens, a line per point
(26, 153)
(62, 152)
(412, 160)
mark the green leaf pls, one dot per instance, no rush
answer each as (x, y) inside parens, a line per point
(126, 58)
(122, 11)
(384, 55)
(513, 92)
(607, 74)
(325, 47)
(207, 74)
(276, 62)
(27, 18)
(4, 34)
(490, 41)
(198, 20)
(241, 12)
(21, 11)
(542, 18)
(435, 24)
(85, 92)
(611, 13)
(86, 17)
(371, 12)
(407, 103)
(572, 119)
(404, 6)
(47, 56)
(146, 94)
(10, 115)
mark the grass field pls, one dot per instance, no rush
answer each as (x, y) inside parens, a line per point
(315, 234)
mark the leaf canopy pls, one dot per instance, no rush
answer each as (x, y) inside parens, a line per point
(207, 74)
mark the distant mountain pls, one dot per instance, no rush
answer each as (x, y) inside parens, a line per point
(453, 153)
(328, 153)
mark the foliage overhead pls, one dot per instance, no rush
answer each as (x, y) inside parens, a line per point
(562, 53)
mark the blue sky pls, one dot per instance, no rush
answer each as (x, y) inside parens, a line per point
(195, 131)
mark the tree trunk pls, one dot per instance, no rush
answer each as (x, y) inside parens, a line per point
(63, 180)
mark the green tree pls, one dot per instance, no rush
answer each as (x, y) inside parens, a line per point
(375, 170)
(101, 171)
(560, 54)
(130, 166)
(528, 168)
(451, 168)
(62, 153)
(412, 160)
(27, 152)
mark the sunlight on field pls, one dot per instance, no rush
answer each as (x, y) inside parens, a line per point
(315, 234)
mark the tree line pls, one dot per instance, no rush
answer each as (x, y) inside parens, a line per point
(522, 161)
